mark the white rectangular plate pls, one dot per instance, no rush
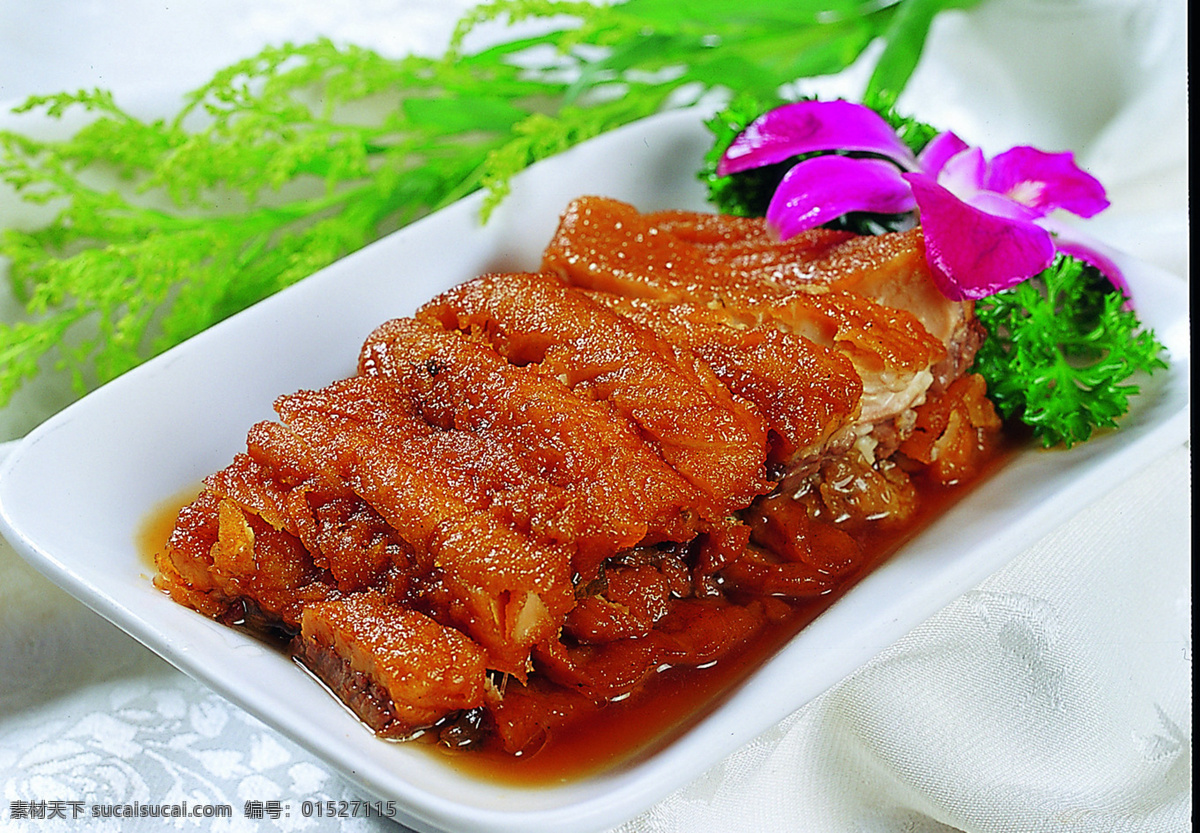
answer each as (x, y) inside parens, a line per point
(74, 493)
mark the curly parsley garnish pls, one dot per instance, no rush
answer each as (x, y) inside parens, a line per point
(1061, 350)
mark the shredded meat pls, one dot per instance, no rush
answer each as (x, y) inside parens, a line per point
(542, 488)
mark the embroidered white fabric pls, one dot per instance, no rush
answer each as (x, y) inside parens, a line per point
(1056, 696)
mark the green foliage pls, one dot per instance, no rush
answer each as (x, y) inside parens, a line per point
(271, 171)
(905, 40)
(914, 133)
(1062, 347)
(747, 193)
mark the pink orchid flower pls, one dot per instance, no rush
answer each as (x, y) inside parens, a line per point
(987, 223)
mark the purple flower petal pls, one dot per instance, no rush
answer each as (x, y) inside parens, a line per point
(1046, 181)
(1090, 254)
(939, 151)
(1000, 205)
(813, 127)
(823, 188)
(972, 253)
(964, 173)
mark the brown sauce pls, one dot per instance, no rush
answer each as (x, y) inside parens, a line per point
(152, 536)
(622, 732)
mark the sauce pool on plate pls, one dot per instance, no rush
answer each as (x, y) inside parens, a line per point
(606, 736)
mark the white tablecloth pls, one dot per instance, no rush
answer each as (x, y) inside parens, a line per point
(1056, 696)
